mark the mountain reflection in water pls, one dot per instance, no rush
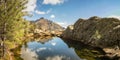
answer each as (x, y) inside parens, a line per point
(54, 49)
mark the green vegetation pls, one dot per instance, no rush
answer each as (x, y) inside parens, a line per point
(13, 27)
(88, 54)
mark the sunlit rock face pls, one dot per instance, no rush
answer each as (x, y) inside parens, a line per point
(45, 26)
(95, 31)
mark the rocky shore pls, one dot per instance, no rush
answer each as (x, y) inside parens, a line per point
(97, 32)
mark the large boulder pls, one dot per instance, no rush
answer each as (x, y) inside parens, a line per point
(95, 31)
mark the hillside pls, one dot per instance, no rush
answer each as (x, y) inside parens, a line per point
(47, 27)
(46, 24)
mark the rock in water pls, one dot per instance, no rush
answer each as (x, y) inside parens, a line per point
(95, 31)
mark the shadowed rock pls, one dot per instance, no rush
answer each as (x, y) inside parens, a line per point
(95, 31)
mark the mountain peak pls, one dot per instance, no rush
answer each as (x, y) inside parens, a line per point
(47, 25)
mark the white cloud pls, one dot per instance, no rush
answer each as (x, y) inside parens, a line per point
(41, 49)
(53, 2)
(30, 6)
(114, 16)
(64, 24)
(53, 43)
(57, 58)
(43, 12)
(28, 54)
(40, 12)
(52, 16)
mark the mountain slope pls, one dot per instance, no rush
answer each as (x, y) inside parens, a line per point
(47, 27)
(46, 24)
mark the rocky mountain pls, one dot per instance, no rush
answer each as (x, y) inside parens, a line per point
(97, 32)
(46, 24)
(47, 27)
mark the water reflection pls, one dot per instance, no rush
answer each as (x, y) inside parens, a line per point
(85, 51)
(54, 49)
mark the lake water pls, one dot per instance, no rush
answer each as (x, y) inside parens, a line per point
(54, 49)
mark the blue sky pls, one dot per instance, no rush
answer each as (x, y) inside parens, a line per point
(66, 12)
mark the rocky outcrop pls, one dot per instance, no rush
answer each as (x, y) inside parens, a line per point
(95, 31)
(112, 53)
(45, 27)
(45, 24)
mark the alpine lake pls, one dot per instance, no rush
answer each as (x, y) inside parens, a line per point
(55, 48)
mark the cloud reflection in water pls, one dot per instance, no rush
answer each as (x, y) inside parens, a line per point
(54, 49)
